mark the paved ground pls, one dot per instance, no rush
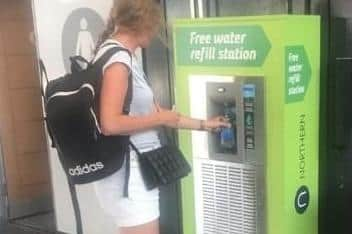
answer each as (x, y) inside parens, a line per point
(6, 228)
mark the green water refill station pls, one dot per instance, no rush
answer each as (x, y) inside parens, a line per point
(262, 73)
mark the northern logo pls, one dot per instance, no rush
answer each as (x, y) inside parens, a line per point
(86, 169)
(302, 199)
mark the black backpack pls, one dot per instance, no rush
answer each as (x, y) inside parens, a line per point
(71, 105)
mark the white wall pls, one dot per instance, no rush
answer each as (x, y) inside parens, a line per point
(50, 17)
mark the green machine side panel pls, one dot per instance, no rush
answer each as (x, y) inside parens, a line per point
(288, 60)
(301, 127)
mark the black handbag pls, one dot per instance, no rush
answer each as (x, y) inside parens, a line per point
(162, 166)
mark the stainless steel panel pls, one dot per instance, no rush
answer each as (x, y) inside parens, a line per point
(215, 107)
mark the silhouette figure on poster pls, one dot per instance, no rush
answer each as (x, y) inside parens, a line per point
(85, 43)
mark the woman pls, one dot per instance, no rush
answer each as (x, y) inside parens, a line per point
(133, 24)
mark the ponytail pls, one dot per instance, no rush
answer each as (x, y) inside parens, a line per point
(108, 32)
(135, 16)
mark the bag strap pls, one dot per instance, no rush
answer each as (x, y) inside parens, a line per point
(43, 75)
(126, 107)
(109, 53)
(168, 138)
(76, 208)
(75, 203)
(72, 187)
(134, 148)
(99, 64)
(77, 62)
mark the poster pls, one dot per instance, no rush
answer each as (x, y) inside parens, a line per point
(65, 28)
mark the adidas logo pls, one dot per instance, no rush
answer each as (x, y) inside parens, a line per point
(86, 169)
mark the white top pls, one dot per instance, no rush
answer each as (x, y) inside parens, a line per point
(142, 96)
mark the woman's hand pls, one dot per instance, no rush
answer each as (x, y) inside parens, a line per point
(214, 124)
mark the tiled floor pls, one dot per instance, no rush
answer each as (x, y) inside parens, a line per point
(44, 221)
(30, 225)
(6, 228)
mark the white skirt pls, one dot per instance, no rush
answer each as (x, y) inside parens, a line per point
(140, 207)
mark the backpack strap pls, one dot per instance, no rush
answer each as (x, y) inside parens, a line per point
(72, 187)
(126, 107)
(76, 208)
(99, 64)
(109, 53)
(44, 75)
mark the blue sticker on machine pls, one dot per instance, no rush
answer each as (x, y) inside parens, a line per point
(249, 117)
(249, 90)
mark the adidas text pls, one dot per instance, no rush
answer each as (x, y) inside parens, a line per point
(86, 169)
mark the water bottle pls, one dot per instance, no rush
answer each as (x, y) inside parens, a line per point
(227, 135)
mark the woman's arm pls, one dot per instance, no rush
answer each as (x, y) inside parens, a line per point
(185, 122)
(212, 124)
(112, 119)
(190, 123)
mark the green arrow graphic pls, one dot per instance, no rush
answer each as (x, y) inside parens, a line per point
(222, 46)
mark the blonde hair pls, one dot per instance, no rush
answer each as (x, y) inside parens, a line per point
(134, 16)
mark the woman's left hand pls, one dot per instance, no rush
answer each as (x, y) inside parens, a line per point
(216, 123)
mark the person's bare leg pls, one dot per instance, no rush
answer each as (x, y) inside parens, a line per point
(148, 228)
